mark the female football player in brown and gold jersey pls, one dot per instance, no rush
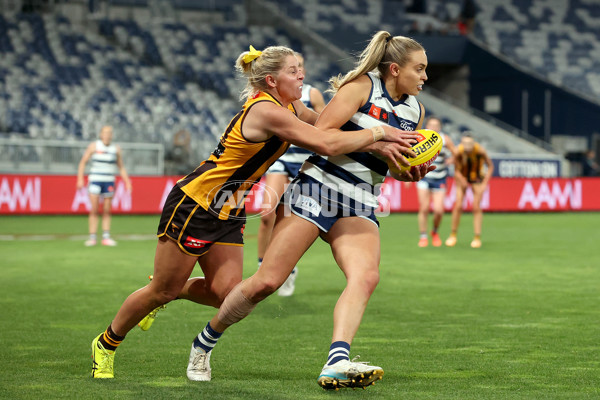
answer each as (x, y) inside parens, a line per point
(469, 161)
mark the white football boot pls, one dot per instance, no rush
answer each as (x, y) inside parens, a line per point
(348, 373)
(199, 365)
(288, 287)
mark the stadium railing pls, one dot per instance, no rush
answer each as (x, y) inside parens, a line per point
(24, 155)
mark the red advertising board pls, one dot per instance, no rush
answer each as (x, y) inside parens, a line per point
(52, 194)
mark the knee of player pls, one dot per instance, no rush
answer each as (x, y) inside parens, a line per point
(372, 280)
(165, 296)
(270, 287)
(267, 218)
(368, 280)
(223, 291)
(265, 288)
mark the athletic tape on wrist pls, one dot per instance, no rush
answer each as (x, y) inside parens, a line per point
(235, 307)
(378, 133)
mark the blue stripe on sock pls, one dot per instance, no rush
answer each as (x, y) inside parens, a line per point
(338, 351)
(197, 343)
(344, 345)
(212, 332)
(334, 360)
(207, 339)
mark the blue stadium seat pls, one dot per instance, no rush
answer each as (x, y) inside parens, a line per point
(569, 34)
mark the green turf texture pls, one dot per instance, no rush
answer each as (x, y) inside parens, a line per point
(516, 319)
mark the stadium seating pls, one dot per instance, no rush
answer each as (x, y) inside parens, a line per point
(59, 80)
(556, 39)
(148, 82)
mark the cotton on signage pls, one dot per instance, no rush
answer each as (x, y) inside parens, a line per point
(551, 195)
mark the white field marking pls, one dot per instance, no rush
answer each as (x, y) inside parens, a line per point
(32, 238)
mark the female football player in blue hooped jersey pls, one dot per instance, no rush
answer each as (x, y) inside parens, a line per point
(204, 215)
(279, 175)
(335, 197)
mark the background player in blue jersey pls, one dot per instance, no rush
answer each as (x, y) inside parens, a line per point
(334, 197)
(279, 175)
(106, 162)
(432, 188)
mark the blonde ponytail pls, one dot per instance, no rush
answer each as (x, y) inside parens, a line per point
(382, 50)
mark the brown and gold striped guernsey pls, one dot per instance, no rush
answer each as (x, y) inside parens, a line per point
(472, 164)
(220, 183)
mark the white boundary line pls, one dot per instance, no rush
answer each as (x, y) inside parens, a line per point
(34, 238)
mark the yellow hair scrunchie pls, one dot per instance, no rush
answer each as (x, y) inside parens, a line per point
(252, 54)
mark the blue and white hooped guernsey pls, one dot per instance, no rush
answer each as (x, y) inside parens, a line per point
(104, 163)
(359, 175)
(441, 170)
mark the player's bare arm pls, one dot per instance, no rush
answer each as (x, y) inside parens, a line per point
(304, 113)
(267, 119)
(490, 167)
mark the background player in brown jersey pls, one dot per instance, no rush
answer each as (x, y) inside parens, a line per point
(469, 161)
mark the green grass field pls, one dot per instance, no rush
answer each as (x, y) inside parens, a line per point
(516, 319)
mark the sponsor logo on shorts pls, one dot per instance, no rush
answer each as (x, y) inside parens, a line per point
(195, 243)
(308, 204)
